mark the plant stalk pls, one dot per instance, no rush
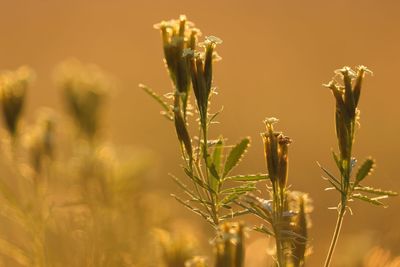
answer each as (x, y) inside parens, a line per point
(336, 233)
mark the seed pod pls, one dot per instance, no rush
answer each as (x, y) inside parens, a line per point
(183, 134)
(361, 70)
(348, 74)
(270, 139)
(179, 35)
(283, 153)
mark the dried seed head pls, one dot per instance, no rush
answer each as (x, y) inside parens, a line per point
(347, 99)
(201, 69)
(283, 155)
(13, 87)
(178, 35)
(300, 203)
(183, 135)
(276, 154)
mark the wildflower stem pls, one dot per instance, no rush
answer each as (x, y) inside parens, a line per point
(336, 233)
(213, 197)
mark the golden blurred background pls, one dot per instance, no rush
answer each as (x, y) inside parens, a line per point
(276, 55)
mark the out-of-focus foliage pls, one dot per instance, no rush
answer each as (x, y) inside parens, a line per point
(69, 200)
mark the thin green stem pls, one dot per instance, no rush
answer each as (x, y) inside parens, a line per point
(336, 233)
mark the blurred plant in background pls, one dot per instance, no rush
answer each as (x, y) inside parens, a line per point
(379, 257)
(69, 201)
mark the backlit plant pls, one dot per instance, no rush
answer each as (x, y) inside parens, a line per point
(349, 184)
(208, 167)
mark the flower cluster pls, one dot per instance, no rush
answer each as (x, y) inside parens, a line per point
(347, 97)
(276, 154)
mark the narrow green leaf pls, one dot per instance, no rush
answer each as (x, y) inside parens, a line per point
(367, 199)
(248, 187)
(235, 214)
(364, 170)
(214, 116)
(198, 181)
(255, 209)
(195, 210)
(337, 161)
(167, 109)
(331, 176)
(376, 191)
(264, 230)
(248, 177)
(235, 155)
(334, 185)
(182, 186)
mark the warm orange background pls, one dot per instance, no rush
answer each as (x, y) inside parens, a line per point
(276, 55)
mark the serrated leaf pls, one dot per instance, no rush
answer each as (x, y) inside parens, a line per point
(235, 155)
(217, 154)
(376, 191)
(248, 187)
(232, 197)
(364, 170)
(373, 201)
(248, 177)
(214, 177)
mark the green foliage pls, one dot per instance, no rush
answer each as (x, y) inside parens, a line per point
(247, 178)
(67, 201)
(364, 170)
(167, 112)
(235, 155)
